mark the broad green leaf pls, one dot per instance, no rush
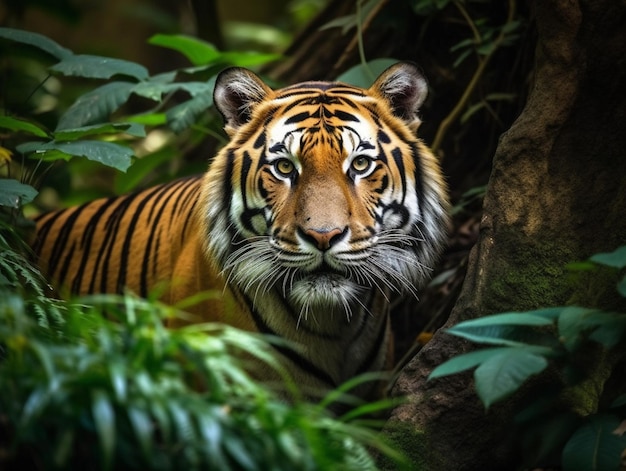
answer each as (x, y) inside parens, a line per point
(503, 374)
(104, 420)
(509, 335)
(96, 106)
(37, 40)
(98, 67)
(198, 52)
(149, 119)
(132, 129)
(14, 194)
(247, 59)
(465, 361)
(507, 318)
(594, 446)
(363, 75)
(606, 327)
(15, 124)
(155, 91)
(610, 328)
(183, 116)
(616, 259)
(571, 325)
(107, 153)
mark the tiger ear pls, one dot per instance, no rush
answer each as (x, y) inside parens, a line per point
(405, 89)
(237, 92)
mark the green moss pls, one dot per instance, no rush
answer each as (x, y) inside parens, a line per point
(409, 441)
(526, 274)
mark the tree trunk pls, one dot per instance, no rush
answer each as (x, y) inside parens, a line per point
(557, 194)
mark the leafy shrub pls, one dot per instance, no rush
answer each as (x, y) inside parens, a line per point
(524, 344)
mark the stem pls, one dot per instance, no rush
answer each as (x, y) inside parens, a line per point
(482, 65)
(357, 40)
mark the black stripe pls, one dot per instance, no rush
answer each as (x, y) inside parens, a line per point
(397, 157)
(299, 117)
(345, 116)
(152, 197)
(111, 233)
(293, 356)
(365, 365)
(86, 244)
(419, 177)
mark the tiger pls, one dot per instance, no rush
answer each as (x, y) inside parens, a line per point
(322, 210)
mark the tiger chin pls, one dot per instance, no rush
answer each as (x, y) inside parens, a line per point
(322, 210)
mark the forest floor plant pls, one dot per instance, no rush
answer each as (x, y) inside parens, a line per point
(583, 344)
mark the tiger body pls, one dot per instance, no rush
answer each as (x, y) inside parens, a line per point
(322, 208)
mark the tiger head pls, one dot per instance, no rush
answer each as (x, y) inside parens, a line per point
(324, 193)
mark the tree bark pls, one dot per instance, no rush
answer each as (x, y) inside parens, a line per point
(557, 194)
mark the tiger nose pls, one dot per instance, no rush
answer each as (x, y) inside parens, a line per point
(323, 239)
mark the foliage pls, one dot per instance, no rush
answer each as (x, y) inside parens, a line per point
(100, 382)
(131, 394)
(98, 126)
(525, 343)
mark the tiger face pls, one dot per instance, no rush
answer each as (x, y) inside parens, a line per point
(324, 194)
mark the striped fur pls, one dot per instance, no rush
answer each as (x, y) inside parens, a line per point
(323, 208)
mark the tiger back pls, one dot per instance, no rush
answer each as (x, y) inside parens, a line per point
(322, 209)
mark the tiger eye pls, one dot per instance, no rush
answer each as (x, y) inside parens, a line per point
(360, 164)
(284, 167)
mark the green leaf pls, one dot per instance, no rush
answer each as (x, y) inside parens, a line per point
(95, 106)
(507, 329)
(155, 91)
(502, 374)
(107, 153)
(198, 52)
(132, 129)
(610, 328)
(616, 259)
(571, 325)
(88, 66)
(465, 362)
(142, 426)
(363, 75)
(508, 318)
(575, 322)
(149, 119)
(104, 420)
(183, 116)
(117, 373)
(14, 194)
(247, 59)
(37, 40)
(15, 124)
(594, 446)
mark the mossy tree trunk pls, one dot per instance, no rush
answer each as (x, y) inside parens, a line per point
(557, 194)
